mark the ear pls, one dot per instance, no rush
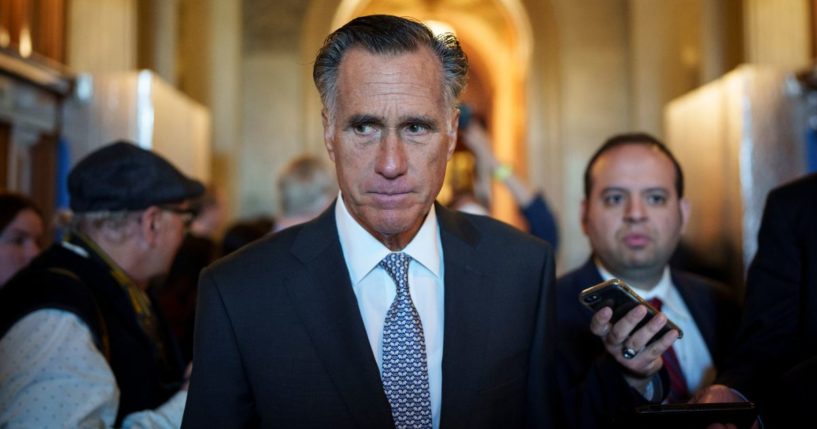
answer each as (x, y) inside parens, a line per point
(328, 133)
(583, 215)
(686, 210)
(452, 135)
(150, 222)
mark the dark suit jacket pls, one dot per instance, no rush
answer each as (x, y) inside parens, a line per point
(775, 359)
(594, 393)
(280, 341)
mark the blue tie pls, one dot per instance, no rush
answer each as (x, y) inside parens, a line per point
(405, 370)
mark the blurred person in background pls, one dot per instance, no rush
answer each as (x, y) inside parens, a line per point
(21, 233)
(774, 360)
(532, 205)
(177, 292)
(244, 232)
(82, 343)
(306, 187)
(633, 215)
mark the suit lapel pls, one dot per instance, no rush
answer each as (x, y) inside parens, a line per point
(323, 297)
(467, 302)
(701, 307)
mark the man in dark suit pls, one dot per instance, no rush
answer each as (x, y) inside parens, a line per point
(387, 310)
(633, 214)
(774, 362)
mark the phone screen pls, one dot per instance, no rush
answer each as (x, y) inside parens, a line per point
(621, 299)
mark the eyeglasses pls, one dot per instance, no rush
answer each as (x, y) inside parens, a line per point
(187, 214)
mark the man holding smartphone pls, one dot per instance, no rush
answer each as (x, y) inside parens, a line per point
(633, 214)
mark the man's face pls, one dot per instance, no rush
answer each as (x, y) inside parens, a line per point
(390, 136)
(633, 216)
(172, 221)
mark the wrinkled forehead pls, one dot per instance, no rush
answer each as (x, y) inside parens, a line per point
(413, 70)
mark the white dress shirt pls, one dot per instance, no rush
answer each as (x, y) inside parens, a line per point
(693, 354)
(53, 376)
(375, 290)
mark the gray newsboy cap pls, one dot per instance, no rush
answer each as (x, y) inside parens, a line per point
(122, 176)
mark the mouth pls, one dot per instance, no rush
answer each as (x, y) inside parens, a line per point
(389, 199)
(636, 240)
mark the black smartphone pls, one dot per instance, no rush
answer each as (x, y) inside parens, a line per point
(621, 299)
(694, 416)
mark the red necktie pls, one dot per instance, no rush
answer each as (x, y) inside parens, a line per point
(679, 392)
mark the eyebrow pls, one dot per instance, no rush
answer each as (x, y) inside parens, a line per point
(614, 189)
(362, 119)
(427, 121)
(626, 190)
(365, 119)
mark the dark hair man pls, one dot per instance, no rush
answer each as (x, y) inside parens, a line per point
(388, 310)
(633, 214)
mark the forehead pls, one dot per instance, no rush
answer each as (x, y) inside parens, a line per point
(633, 166)
(414, 75)
(27, 221)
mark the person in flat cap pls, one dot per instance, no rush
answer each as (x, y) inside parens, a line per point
(81, 341)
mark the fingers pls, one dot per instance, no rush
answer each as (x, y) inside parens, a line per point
(638, 340)
(653, 352)
(628, 346)
(716, 393)
(622, 329)
(600, 323)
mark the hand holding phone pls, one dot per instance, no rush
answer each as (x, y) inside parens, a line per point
(621, 299)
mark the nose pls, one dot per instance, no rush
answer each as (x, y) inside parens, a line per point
(392, 160)
(635, 211)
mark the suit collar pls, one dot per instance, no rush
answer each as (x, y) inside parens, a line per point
(323, 297)
(468, 303)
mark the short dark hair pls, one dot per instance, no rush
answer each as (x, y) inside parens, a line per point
(11, 204)
(628, 139)
(387, 34)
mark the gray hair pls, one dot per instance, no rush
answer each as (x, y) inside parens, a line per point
(386, 34)
(116, 226)
(305, 185)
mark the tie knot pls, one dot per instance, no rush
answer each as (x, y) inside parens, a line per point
(396, 264)
(656, 302)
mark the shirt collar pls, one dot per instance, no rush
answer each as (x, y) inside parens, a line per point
(363, 252)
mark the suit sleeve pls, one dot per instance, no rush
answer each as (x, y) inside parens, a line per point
(542, 380)
(767, 339)
(600, 398)
(220, 394)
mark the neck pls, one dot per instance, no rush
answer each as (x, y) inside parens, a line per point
(122, 256)
(639, 278)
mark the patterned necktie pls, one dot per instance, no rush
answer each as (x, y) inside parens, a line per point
(405, 370)
(678, 390)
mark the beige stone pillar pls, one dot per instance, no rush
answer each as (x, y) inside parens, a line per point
(158, 41)
(778, 32)
(102, 35)
(210, 52)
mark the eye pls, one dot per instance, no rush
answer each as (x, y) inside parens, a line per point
(656, 199)
(363, 129)
(613, 199)
(18, 240)
(416, 128)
